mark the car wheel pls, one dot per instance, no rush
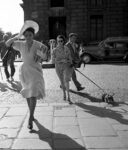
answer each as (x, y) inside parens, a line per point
(86, 59)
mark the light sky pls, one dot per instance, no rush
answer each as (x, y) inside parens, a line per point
(11, 16)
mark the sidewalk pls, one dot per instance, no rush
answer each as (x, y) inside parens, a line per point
(59, 126)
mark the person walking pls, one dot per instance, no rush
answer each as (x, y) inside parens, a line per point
(8, 58)
(61, 57)
(31, 76)
(74, 50)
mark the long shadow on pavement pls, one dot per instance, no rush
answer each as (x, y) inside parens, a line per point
(103, 112)
(86, 95)
(15, 86)
(3, 87)
(58, 136)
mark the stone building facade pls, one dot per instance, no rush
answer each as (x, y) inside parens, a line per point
(93, 20)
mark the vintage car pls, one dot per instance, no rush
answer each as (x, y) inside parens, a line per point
(110, 49)
(90, 52)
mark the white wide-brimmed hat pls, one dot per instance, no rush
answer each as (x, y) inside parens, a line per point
(28, 24)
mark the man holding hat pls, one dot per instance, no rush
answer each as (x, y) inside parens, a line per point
(74, 49)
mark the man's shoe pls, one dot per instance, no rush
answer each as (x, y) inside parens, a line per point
(80, 88)
(69, 101)
(64, 97)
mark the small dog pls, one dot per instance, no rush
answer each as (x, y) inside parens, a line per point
(108, 98)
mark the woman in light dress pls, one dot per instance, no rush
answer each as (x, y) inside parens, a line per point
(61, 57)
(31, 76)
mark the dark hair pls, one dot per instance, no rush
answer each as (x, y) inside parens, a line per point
(61, 37)
(30, 30)
(73, 34)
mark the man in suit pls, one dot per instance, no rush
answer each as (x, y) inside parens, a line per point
(74, 49)
(8, 58)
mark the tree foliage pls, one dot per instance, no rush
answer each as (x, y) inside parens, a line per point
(9, 34)
(1, 34)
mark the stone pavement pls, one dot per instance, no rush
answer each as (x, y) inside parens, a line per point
(60, 126)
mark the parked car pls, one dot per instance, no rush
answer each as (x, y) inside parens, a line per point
(90, 52)
(111, 49)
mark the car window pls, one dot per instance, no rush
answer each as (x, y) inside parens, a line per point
(120, 45)
(110, 45)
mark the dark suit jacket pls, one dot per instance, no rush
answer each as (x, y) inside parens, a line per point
(3, 49)
(7, 54)
(74, 55)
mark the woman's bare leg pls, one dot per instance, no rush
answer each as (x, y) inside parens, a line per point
(67, 80)
(67, 89)
(32, 104)
(68, 93)
(28, 102)
(61, 78)
(63, 88)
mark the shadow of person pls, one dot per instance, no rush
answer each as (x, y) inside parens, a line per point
(16, 85)
(103, 112)
(70, 143)
(86, 95)
(3, 87)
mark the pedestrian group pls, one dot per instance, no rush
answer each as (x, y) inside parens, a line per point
(64, 55)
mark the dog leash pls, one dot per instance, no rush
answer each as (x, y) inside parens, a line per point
(90, 80)
(108, 98)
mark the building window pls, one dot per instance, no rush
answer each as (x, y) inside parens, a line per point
(96, 27)
(96, 2)
(57, 25)
(57, 3)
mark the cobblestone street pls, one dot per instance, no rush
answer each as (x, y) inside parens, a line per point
(113, 78)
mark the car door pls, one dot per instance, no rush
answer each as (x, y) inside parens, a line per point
(114, 50)
(120, 48)
(109, 50)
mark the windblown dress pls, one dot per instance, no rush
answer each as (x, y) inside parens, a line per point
(30, 74)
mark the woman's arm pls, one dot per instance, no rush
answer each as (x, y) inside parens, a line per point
(11, 41)
(14, 42)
